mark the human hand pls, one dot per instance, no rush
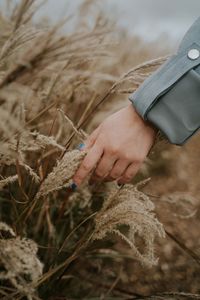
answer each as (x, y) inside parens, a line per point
(116, 148)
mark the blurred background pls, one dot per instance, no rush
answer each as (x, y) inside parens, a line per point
(147, 18)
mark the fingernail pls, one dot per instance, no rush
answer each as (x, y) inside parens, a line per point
(73, 186)
(81, 146)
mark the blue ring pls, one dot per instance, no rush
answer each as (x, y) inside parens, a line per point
(80, 146)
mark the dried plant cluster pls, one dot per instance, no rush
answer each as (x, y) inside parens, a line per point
(51, 85)
(18, 259)
(61, 174)
(128, 206)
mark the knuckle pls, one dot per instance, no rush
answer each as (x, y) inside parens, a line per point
(127, 157)
(114, 175)
(113, 150)
(128, 177)
(86, 167)
(99, 173)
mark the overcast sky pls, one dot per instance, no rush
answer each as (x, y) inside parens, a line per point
(149, 18)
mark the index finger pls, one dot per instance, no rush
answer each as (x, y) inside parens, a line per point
(88, 164)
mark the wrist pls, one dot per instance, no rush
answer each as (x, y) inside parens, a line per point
(146, 123)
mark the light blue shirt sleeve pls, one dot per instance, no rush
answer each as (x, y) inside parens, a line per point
(170, 97)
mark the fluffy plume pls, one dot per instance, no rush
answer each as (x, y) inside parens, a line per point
(62, 173)
(128, 206)
(18, 258)
(35, 141)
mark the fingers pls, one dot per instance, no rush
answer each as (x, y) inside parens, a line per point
(129, 173)
(103, 168)
(88, 164)
(118, 169)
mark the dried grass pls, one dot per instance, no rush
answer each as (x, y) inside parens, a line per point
(128, 206)
(62, 173)
(7, 181)
(184, 205)
(18, 258)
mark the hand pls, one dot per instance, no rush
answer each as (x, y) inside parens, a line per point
(116, 148)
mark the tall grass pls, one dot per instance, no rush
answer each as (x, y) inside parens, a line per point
(51, 88)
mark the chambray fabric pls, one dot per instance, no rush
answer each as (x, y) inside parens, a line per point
(170, 97)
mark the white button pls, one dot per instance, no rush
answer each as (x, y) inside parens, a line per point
(193, 54)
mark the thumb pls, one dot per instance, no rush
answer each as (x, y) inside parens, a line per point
(89, 142)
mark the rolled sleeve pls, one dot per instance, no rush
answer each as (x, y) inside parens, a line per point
(170, 97)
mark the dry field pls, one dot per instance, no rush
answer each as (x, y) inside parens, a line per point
(137, 241)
